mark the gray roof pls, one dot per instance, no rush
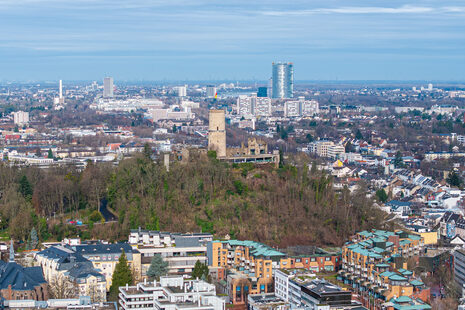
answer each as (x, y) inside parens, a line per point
(20, 278)
(92, 249)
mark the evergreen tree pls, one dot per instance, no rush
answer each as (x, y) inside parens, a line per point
(158, 267)
(200, 271)
(147, 151)
(381, 194)
(33, 239)
(359, 135)
(25, 188)
(453, 179)
(398, 161)
(121, 276)
(50, 153)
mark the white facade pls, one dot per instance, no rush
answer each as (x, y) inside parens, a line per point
(21, 118)
(181, 91)
(253, 106)
(301, 107)
(211, 91)
(108, 87)
(171, 293)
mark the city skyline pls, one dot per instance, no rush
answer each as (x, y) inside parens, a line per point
(198, 40)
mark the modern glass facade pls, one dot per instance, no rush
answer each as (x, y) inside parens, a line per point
(283, 80)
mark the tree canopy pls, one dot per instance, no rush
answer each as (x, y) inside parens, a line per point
(158, 267)
(122, 275)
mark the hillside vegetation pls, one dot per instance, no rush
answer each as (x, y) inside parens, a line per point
(286, 206)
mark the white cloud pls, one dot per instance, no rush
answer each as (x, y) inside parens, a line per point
(405, 9)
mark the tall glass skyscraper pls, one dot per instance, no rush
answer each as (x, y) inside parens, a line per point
(283, 80)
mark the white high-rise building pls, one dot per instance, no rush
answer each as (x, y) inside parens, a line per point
(211, 91)
(301, 107)
(108, 87)
(262, 106)
(244, 105)
(253, 105)
(430, 87)
(21, 118)
(181, 91)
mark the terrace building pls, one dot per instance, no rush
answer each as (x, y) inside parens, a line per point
(370, 264)
(181, 251)
(171, 293)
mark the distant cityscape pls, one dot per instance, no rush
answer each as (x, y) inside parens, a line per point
(401, 146)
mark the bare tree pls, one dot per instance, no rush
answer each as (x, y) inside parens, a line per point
(61, 287)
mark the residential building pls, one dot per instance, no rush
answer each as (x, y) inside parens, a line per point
(266, 302)
(180, 91)
(211, 91)
(180, 251)
(21, 118)
(325, 148)
(171, 293)
(253, 105)
(374, 264)
(301, 107)
(314, 259)
(61, 264)
(81, 303)
(74, 261)
(283, 80)
(304, 291)
(250, 266)
(108, 87)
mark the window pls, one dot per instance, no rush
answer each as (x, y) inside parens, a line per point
(327, 258)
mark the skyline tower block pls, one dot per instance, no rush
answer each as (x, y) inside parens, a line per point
(282, 80)
(217, 132)
(108, 87)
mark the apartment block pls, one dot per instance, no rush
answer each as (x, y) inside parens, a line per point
(304, 291)
(250, 263)
(181, 251)
(301, 108)
(325, 148)
(253, 106)
(171, 293)
(374, 264)
(320, 261)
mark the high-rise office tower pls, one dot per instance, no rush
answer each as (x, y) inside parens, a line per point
(108, 87)
(60, 90)
(217, 132)
(283, 80)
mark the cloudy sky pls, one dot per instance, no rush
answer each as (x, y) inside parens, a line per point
(232, 39)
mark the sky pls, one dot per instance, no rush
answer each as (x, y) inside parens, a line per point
(155, 40)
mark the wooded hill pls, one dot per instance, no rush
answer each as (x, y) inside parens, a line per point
(286, 206)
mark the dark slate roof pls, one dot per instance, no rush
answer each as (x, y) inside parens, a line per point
(63, 255)
(91, 249)
(19, 277)
(84, 270)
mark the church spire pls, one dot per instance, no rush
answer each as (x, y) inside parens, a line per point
(12, 252)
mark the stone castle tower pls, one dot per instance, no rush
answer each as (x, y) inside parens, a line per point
(217, 132)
